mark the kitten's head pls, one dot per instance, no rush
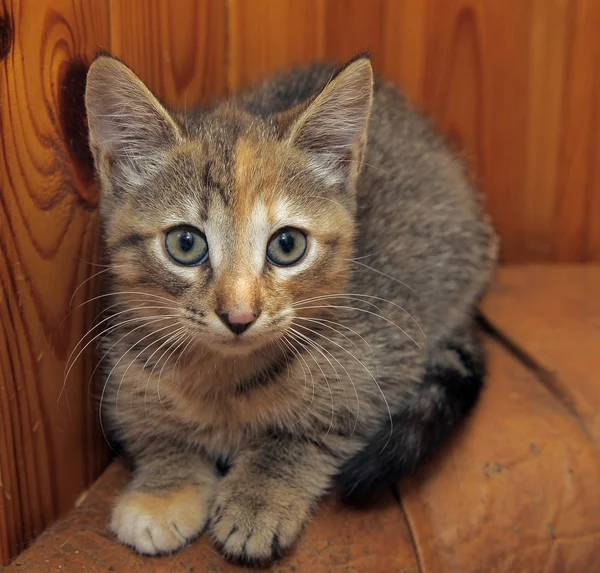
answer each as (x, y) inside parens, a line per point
(228, 221)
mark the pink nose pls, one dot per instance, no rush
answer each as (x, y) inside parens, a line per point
(241, 317)
(238, 321)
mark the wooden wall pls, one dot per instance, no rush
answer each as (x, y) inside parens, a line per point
(514, 83)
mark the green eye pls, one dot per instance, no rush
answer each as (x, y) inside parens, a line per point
(186, 245)
(286, 247)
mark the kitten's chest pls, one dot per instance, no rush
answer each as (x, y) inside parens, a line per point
(221, 416)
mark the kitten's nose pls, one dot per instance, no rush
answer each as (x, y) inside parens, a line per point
(238, 321)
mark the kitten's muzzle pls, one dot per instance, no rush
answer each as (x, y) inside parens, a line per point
(238, 321)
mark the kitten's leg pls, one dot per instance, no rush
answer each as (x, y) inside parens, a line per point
(167, 502)
(267, 496)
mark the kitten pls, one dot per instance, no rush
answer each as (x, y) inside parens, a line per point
(294, 274)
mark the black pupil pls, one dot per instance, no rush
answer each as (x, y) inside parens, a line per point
(186, 241)
(286, 242)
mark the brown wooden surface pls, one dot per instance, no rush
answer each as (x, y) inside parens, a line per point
(49, 444)
(178, 46)
(517, 489)
(514, 83)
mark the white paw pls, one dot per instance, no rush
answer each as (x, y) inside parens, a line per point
(154, 524)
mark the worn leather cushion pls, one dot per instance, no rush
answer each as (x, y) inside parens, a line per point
(517, 489)
(552, 314)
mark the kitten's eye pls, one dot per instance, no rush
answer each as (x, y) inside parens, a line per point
(286, 247)
(186, 245)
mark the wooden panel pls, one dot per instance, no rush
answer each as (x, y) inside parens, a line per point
(353, 26)
(267, 35)
(50, 447)
(405, 50)
(593, 214)
(177, 47)
(578, 168)
(515, 84)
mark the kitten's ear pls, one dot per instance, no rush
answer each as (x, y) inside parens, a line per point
(129, 130)
(333, 128)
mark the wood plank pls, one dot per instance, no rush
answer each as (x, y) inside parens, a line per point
(593, 211)
(517, 488)
(177, 47)
(353, 26)
(374, 540)
(268, 35)
(552, 313)
(404, 46)
(50, 446)
(515, 86)
(576, 136)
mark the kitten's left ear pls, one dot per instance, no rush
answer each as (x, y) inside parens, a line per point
(130, 132)
(333, 129)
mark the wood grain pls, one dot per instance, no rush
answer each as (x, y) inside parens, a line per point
(178, 47)
(353, 26)
(267, 35)
(515, 86)
(49, 450)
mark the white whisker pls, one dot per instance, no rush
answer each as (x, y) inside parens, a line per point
(383, 274)
(311, 378)
(374, 380)
(71, 363)
(183, 340)
(297, 335)
(119, 293)
(354, 308)
(168, 341)
(359, 297)
(119, 388)
(325, 322)
(343, 368)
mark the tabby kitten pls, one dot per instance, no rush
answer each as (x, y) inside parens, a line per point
(294, 275)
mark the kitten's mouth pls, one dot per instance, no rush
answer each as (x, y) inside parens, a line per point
(239, 345)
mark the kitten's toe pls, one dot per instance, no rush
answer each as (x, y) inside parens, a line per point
(154, 523)
(252, 529)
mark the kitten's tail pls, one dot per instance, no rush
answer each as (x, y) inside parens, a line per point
(451, 385)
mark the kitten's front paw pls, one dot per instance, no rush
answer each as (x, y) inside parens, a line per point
(154, 524)
(254, 524)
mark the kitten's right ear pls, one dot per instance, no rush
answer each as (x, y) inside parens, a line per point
(332, 130)
(129, 130)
